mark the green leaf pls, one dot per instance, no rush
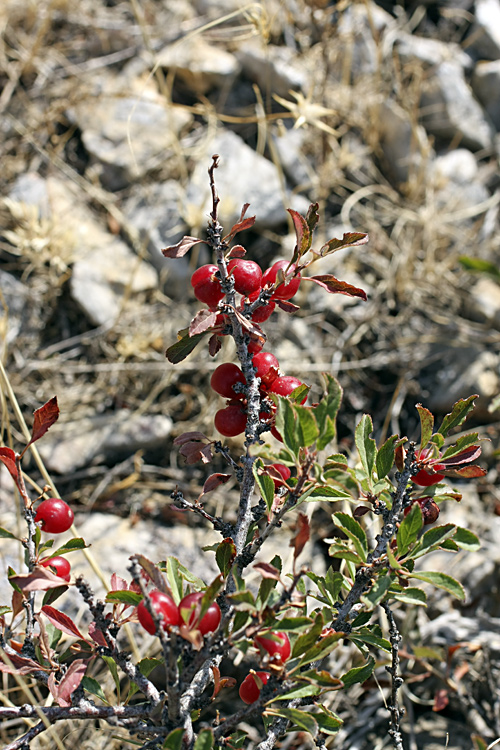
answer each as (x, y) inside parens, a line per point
(442, 581)
(4, 534)
(173, 740)
(432, 539)
(478, 265)
(462, 443)
(225, 554)
(385, 456)
(93, 687)
(377, 591)
(267, 585)
(333, 583)
(328, 722)
(321, 648)
(409, 529)
(426, 425)
(304, 642)
(124, 597)
(457, 415)
(322, 678)
(307, 429)
(176, 574)
(410, 595)
(286, 425)
(354, 531)
(294, 624)
(366, 445)
(205, 740)
(183, 348)
(114, 672)
(70, 545)
(359, 674)
(299, 719)
(466, 539)
(298, 691)
(364, 636)
(326, 411)
(146, 666)
(342, 552)
(264, 483)
(328, 493)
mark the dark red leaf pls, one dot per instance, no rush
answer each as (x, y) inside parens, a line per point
(440, 699)
(214, 345)
(360, 510)
(334, 286)
(186, 437)
(202, 321)
(20, 665)
(97, 635)
(301, 538)
(61, 621)
(267, 570)
(238, 251)
(303, 234)
(216, 674)
(40, 579)
(349, 239)
(470, 472)
(70, 681)
(214, 481)
(241, 224)
(182, 247)
(464, 457)
(8, 458)
(287, 306)
(399, 458)
(118, 583)
(44, 417)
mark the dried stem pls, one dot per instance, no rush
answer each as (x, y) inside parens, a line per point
(396, 680)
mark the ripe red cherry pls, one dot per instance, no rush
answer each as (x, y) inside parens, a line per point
(261, 314)
(189, 613)
(61, 566)
(425, 479)
(247, 275)
(249, 689)
(280, 648)
(231, 421)
(224, 377)
(284, 385)
(56, 515)
(267, 368)
(288, 289)
(285, 473)
(430, 510)
(162, 604)
(206, 287)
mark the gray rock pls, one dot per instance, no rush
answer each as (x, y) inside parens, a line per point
(289, 145)
(361, 31)
(100, 280)
(31, 189)
(276, 70)
(484, 300)
(486, 86)
(430, 51)
(111, 437)
(127, 136)
(406, 148)
(242, 177)
(484, 38)
(459, 166)
(450, 110)
(452, 627)
(462, 372)
(201, 66)
(14, 299)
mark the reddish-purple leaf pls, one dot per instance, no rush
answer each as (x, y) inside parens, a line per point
(44, 417)
(118, 583)
(202, 321)
(334, 286)
(349, 239)
(182, 247)
(303, 234)
(214, 481)
(267, 570)
(97, 636)
(237, 251)
(241, 224)
(20, 665)
(61, 621)
(69, 682)
(360, 510)
(287, 306)
(186, 437)
(301, 538)
(441, 699)
(8, 458)
(214, 345)
(464, 457)
(153, 573)
(195, 451)
(40, 579)
(470, 472)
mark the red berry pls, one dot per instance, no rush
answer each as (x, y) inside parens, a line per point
(285, 385)
(286, 290)
(224, 377)
(56, 515)
(278, 646)
(231, 421)
(189, 613)
(261, 314)
(267, 367)
(162, 604)
(254, 347)
(61, 566)
(247, 275)
(285, 473)
(206, 287)
(425, 479)
(430, 510)
(249, 689)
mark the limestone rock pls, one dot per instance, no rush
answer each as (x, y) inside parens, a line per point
(405, 148)
(14, 300)
(275, 69)
(486, 86)
(200, 65)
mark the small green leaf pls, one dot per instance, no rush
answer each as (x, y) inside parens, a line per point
(225, 554)
(479, 265)
(326, 411)
(173, 740)
(385, 456)
(457, 415)
(366, 445)
(307, 429)
(286, 425)
(409, 529)
(321, 648)
(304, 642)
(322, 678)
(426, 425)
(342, 552)
(363, 636)
(205, 740)
(70, 545)
(93, 687)
(334, 580)
(267, 585)
(174, 578)
(466, 540)
(114, 672)
(359, 674)
(410, 595)
(354, 531)
(328, 493)
(463, 442)
(442, 581)
(294, 624)
(124, 597)
(432, 539)
(328, 722)
(298, 691)
(4, 534)
(377, 591)
(299, 719)
(264, 483)
(182, 348)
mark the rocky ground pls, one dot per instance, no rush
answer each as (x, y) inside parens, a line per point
(387, 115)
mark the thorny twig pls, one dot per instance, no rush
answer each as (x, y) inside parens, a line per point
(396, 680)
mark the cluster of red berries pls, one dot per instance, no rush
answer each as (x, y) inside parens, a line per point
(187, 613)
(55, 517)
(277, 646)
